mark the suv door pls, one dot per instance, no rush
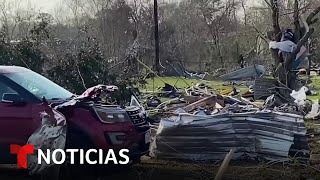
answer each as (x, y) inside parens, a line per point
(17, 122)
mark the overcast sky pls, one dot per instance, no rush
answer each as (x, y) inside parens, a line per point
(49, 5)
(42, 5)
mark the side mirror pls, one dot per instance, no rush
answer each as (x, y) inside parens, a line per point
(12, 98)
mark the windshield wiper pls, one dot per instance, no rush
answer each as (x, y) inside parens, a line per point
(55, 99)
(69, 98)
(73, 96)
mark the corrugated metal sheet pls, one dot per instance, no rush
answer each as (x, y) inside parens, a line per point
(249, 72)
(263, 88)
(265, 134)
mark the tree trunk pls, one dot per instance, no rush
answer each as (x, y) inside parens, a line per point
(275, 35)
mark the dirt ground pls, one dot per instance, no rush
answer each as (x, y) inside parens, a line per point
(161, 170)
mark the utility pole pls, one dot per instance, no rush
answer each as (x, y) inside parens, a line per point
(156, 38)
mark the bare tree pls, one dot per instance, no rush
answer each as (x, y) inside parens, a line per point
(284, 64)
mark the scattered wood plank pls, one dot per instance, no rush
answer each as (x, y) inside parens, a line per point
(208, 101)
(246, 101)
(192, 99)
(315, 158)
(218, 106)
(224, 165)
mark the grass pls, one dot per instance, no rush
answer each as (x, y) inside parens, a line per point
(217, 86)
(315, 86)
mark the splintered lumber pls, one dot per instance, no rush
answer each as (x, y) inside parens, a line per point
(208, 101)
(246, 101)
(315, 158)
(218, 106)
(192, 99)
(224, 165)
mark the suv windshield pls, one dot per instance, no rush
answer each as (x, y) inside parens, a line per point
(39, 85)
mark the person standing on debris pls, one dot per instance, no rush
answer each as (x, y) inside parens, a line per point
(241, 61)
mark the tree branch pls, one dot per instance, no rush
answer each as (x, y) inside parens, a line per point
(303, 9)
(296, 21)
(260, 34)
(276, 34)
(266, 1)
(310, 19)
(275, 20)
(81, 77)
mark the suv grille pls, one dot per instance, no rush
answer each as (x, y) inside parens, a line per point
(137, 120)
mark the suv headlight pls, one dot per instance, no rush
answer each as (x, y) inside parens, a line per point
(112, 115)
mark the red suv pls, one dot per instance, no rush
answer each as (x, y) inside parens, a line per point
(90, 124)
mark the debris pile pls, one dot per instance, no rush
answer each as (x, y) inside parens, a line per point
(265, 123)
(256, 135)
